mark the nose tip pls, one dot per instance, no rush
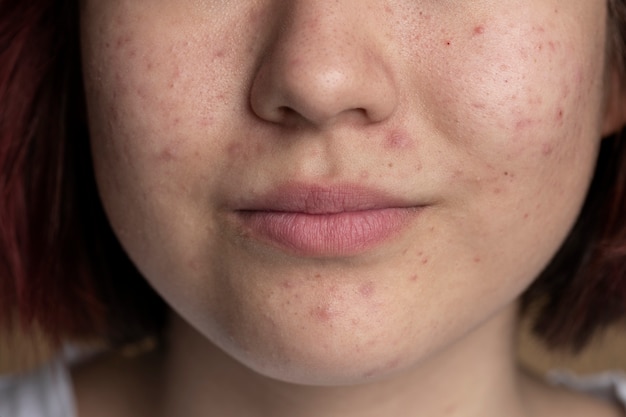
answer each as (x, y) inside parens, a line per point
(322, 73)
(321, 93)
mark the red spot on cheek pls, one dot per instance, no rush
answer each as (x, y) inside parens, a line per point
(479, 30)
(167, 155)
(398, 140)
(321, 313)
(547, 149)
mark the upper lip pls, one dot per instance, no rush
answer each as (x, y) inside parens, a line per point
(316, 199)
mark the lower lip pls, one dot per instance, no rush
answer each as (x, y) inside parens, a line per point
(334, 234)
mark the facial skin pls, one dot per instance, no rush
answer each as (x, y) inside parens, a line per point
(483, 117)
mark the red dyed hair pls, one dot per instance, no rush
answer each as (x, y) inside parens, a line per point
(60, 265)
(62, 268)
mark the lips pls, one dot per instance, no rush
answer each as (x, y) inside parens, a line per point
(324, 221)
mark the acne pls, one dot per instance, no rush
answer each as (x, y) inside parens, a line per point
(367, 290)
(478, 30)
(397, 140)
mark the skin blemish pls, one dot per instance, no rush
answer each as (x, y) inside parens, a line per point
(546, 149)
(479, 30)
(367, 290)
(397, 140)
(322, 313)
(477, 260)
(364, 175)
(167, 154)
(287, 284)
(523, 124)
(413, 278)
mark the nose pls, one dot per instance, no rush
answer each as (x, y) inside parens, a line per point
(325, 64)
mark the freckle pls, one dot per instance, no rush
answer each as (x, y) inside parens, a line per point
(318, 276)
(448, 43)
(367, 289)
(477, 259)
(526, 215)
(497, 190)
(479, 30)
(390, 164)
(220, 54)
(479, 105)
(424, 261)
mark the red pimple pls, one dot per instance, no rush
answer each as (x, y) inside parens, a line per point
(397, 140)
(321, 313)
(479, 30)
(367, 289)
(547, 149)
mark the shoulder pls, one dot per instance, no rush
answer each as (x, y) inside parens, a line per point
(44, 392)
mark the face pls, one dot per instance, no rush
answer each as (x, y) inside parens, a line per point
(333, 190)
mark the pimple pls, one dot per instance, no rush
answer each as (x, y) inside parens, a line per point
(413, 278)
(287, 284)
(479, 30)
(234, 150)
(546, 149)
(477, 259)
(398, 141)
(367, 289)
(167, 154)
(523, 124)
(322, 313)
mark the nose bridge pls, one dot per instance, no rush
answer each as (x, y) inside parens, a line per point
(324, 61)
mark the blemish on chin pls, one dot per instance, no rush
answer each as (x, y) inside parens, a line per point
(367, 290)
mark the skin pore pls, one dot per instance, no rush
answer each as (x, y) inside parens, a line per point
(467, 131)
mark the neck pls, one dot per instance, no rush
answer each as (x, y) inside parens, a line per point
(475, 376)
